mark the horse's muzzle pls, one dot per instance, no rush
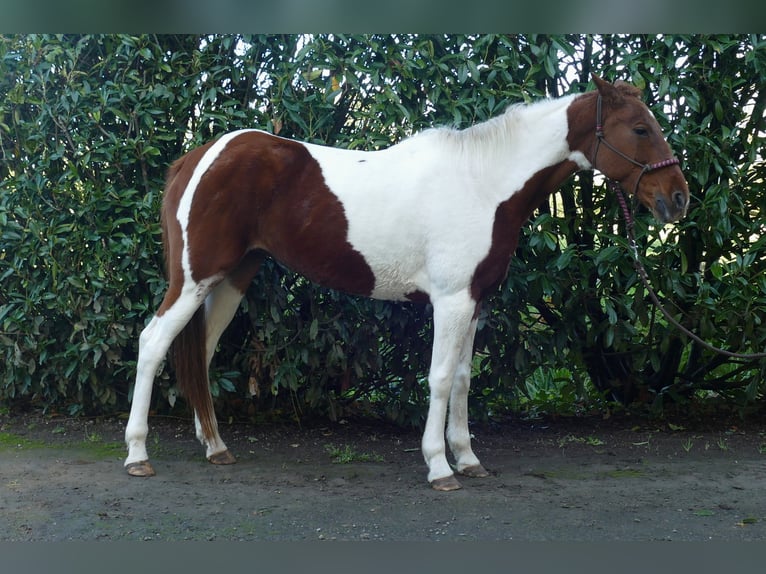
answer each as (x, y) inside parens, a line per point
(668, 211)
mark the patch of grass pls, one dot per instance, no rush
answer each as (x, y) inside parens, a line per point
(647, 443)
(625, 473)
(748, 520)
(10, 441)
(92, 444)
(347, 455)
(93, 437)
(105, 449)
(588, 440)
(704, 512)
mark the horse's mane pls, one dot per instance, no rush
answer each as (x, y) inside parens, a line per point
(517, 118)
(497, 132)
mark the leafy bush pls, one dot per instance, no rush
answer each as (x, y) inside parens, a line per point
(88, 125)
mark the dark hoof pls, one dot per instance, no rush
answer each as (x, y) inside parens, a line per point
(446, 484)
(475, 471)
(140, 468)
(223, 457)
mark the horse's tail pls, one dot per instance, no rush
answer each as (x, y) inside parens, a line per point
(189, 359)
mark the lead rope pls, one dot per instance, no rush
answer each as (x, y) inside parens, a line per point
(639, 267)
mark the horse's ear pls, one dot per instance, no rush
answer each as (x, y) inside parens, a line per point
(614, 93)
(608, 91)
(600, 82)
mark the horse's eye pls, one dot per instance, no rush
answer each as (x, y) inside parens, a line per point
(640, 131)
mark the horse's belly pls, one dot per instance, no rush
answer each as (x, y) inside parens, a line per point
(393, 285)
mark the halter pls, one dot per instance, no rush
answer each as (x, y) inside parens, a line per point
(615, 186)
(645, 167)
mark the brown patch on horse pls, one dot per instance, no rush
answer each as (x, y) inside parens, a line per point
(418, 297)
(510, 215)
(265, 192)
(241, 277)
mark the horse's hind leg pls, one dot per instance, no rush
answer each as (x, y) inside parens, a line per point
(220, 306)
(458, 435)
(154, 343)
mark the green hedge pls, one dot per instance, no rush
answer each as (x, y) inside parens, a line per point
(89, 124)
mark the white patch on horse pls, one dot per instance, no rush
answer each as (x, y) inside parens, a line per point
(581, 160)
(184, 205)
(421, 212)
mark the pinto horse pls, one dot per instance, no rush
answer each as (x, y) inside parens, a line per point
(434, 218)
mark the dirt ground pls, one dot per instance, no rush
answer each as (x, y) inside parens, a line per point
(565, 480)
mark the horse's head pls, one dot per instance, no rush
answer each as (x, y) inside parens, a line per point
(631, 150)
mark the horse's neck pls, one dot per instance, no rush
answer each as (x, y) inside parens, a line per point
(544, 143)
(582, 120)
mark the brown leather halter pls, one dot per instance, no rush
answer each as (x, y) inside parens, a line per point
(645, 167)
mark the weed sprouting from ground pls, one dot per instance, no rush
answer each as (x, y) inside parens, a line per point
(346, 455)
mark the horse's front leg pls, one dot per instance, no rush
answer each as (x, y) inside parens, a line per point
(458, 435)
(453, 320)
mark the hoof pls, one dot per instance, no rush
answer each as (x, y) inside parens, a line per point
(140, 468)
(223, 457)
(446, 484)
(475, 471)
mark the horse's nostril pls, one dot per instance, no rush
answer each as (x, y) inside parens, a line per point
(680, 199)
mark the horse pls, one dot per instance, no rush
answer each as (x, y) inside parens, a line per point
(434, 218)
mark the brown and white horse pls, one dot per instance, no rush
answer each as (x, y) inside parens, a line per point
(435, 217)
